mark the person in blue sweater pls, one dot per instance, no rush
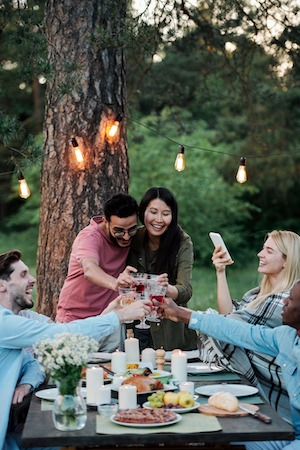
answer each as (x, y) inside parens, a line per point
(282, 342)
(19, 372)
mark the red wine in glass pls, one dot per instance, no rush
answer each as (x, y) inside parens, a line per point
(140, 288)
(158, 297)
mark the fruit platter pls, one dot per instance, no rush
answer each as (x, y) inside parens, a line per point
(179, 402)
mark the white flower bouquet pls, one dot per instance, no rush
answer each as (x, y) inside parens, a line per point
(64, 357)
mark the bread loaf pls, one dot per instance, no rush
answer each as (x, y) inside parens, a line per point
(224, 400)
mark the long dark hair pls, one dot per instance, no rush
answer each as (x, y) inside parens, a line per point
(170, 240)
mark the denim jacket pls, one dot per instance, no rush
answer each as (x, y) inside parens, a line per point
(281, 342)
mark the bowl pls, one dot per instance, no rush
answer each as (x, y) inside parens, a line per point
(161, 375)
(107, 409)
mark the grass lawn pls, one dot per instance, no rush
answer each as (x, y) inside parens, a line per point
(240, 281)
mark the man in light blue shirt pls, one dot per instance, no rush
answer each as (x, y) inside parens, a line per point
(282, 342)
(19, 372)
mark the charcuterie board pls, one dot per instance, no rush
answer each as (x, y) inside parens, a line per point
(212, 411)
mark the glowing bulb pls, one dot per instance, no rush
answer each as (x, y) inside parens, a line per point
(78, 155)
(78, 152)
(179, 163)
(241, 175)
(115, 126)
(24, 191)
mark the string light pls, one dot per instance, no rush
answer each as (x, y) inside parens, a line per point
(77, 151)
(241, 175)
(24, 191)
(179, 162)
(115, 126)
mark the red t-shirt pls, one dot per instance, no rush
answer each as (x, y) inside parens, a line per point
(79, 297)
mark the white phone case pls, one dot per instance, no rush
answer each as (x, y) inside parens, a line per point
(218, 242)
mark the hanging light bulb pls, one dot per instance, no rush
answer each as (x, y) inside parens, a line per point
(115, 126)
(24, 191)
(179, 163)
(241, 175)
(78, 152)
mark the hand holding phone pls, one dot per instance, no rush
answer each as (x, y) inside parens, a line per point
(218, 242)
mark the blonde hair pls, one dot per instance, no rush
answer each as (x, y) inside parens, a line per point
(288, 244)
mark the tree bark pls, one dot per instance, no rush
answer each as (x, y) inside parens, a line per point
(85, 92)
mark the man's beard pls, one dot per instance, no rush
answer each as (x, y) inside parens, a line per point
(22, 302)
(115, 241)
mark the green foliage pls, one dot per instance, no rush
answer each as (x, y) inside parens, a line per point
(206, 202)
(240, 277)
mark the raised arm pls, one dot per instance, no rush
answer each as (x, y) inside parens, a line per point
(94, 273)
(223, 295)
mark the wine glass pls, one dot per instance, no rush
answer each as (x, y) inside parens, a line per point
(156, 291)
(142, 294)
(129, 295)
(142, 325)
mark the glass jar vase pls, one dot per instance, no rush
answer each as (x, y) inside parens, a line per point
(69, 410)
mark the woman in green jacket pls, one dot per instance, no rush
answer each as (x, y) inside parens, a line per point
(161, 247)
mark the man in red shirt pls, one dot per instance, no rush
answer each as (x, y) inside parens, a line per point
(97, 263)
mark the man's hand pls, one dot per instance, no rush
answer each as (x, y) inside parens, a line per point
(20, 392)
(168, 309)
(114, 305)
(125, 279)
(135, 311)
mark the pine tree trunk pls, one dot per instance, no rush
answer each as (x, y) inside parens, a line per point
(84, 94)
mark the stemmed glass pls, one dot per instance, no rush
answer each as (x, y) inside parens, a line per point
(142, 294)
(156, 291)
(129, 295)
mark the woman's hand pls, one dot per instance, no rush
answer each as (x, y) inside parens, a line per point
(219, 259)
(163, 279)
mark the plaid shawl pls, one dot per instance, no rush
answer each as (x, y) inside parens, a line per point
(259, 369)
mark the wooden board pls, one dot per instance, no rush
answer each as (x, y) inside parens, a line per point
(212, 411)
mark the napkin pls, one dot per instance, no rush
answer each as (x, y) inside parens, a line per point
(190, 423)
(218, 376)
(46, 405)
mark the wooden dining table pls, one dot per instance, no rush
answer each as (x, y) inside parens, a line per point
(39, 430)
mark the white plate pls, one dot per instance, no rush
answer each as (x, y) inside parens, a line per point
(52, 393)
(239, 390)
(167, 387)
(175, 410)
(191, 354)
(146, 425)
(106, 381)
(103, 356)
(155, 374)
(203, 368)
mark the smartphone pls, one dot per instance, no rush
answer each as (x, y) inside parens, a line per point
(218, 242)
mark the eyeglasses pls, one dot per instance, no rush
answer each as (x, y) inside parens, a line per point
(120, 232)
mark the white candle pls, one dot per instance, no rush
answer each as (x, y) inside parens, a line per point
(118, 380)
(179, 366)
(94, 380)
(127, 397)
(103, 395)
(132, 350)
(149, 355)
(118, 362)
(187, 386)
